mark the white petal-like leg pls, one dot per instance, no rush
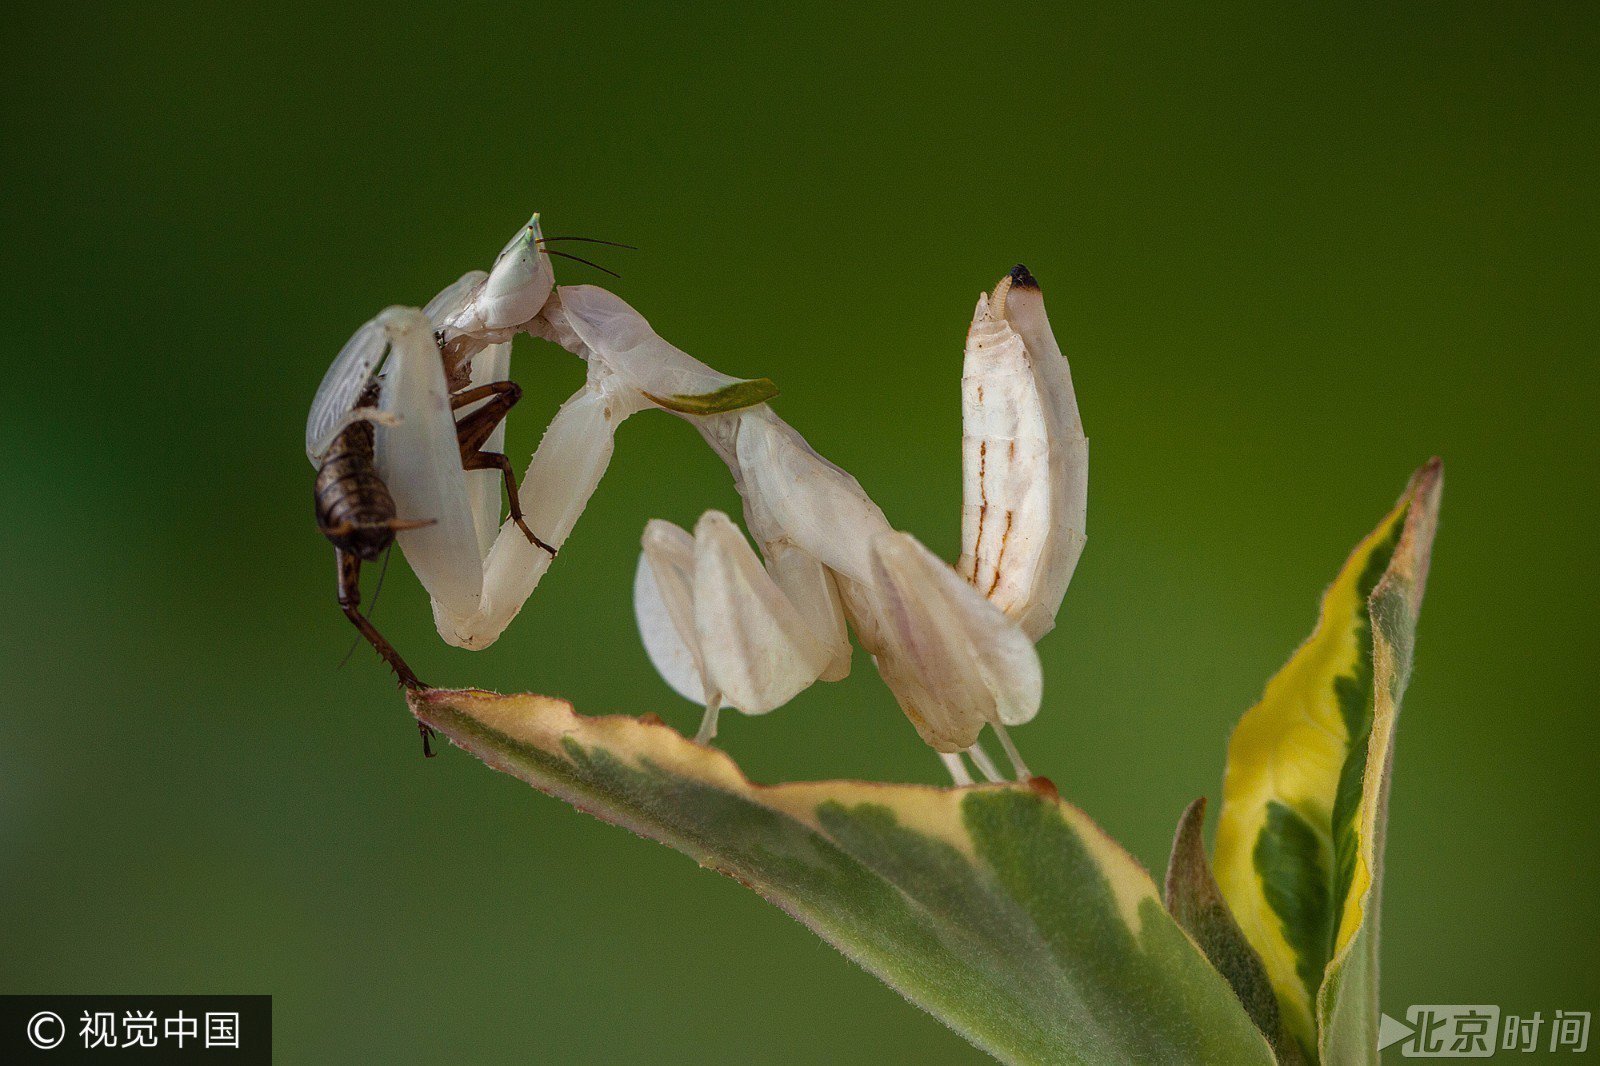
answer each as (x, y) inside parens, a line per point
(953, 660)
(420, 462)
(663, 601)
(810, 587)
(818, 506)
(946, 712)
(622, 339)
(756, 646)
(491, 364)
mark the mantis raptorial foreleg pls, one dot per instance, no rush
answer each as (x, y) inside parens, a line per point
(630, 369)
(565, 471)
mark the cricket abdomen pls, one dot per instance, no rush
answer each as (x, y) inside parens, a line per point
(354, 509)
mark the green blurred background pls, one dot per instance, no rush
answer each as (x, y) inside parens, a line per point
(1292, 251)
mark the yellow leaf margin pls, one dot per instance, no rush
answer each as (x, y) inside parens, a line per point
(1285, 761)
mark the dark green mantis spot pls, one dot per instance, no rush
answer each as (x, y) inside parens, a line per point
(735, 397)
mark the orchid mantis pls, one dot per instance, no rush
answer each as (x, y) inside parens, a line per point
(724, 625)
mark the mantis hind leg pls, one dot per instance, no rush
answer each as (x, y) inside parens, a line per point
(350, 602)
(473, 430)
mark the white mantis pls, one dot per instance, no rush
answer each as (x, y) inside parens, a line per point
(727, 627)
(954, 645)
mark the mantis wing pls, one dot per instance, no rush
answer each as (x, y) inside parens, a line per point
(341, 387)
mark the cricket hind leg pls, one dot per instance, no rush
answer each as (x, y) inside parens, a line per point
(473, 430)
(350, 602)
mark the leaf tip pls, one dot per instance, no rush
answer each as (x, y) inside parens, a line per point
(1186, 846)
(1426, 484)
(1421, 500)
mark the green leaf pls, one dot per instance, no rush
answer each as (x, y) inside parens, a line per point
(1300, 838)
(1197, 905)
(739, 395)
(1001, 910)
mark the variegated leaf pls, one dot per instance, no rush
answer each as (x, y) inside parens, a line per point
(1002, 910)
(1195, 902)
(1299, 841)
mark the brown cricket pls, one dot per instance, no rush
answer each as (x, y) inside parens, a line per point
(356, 512)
